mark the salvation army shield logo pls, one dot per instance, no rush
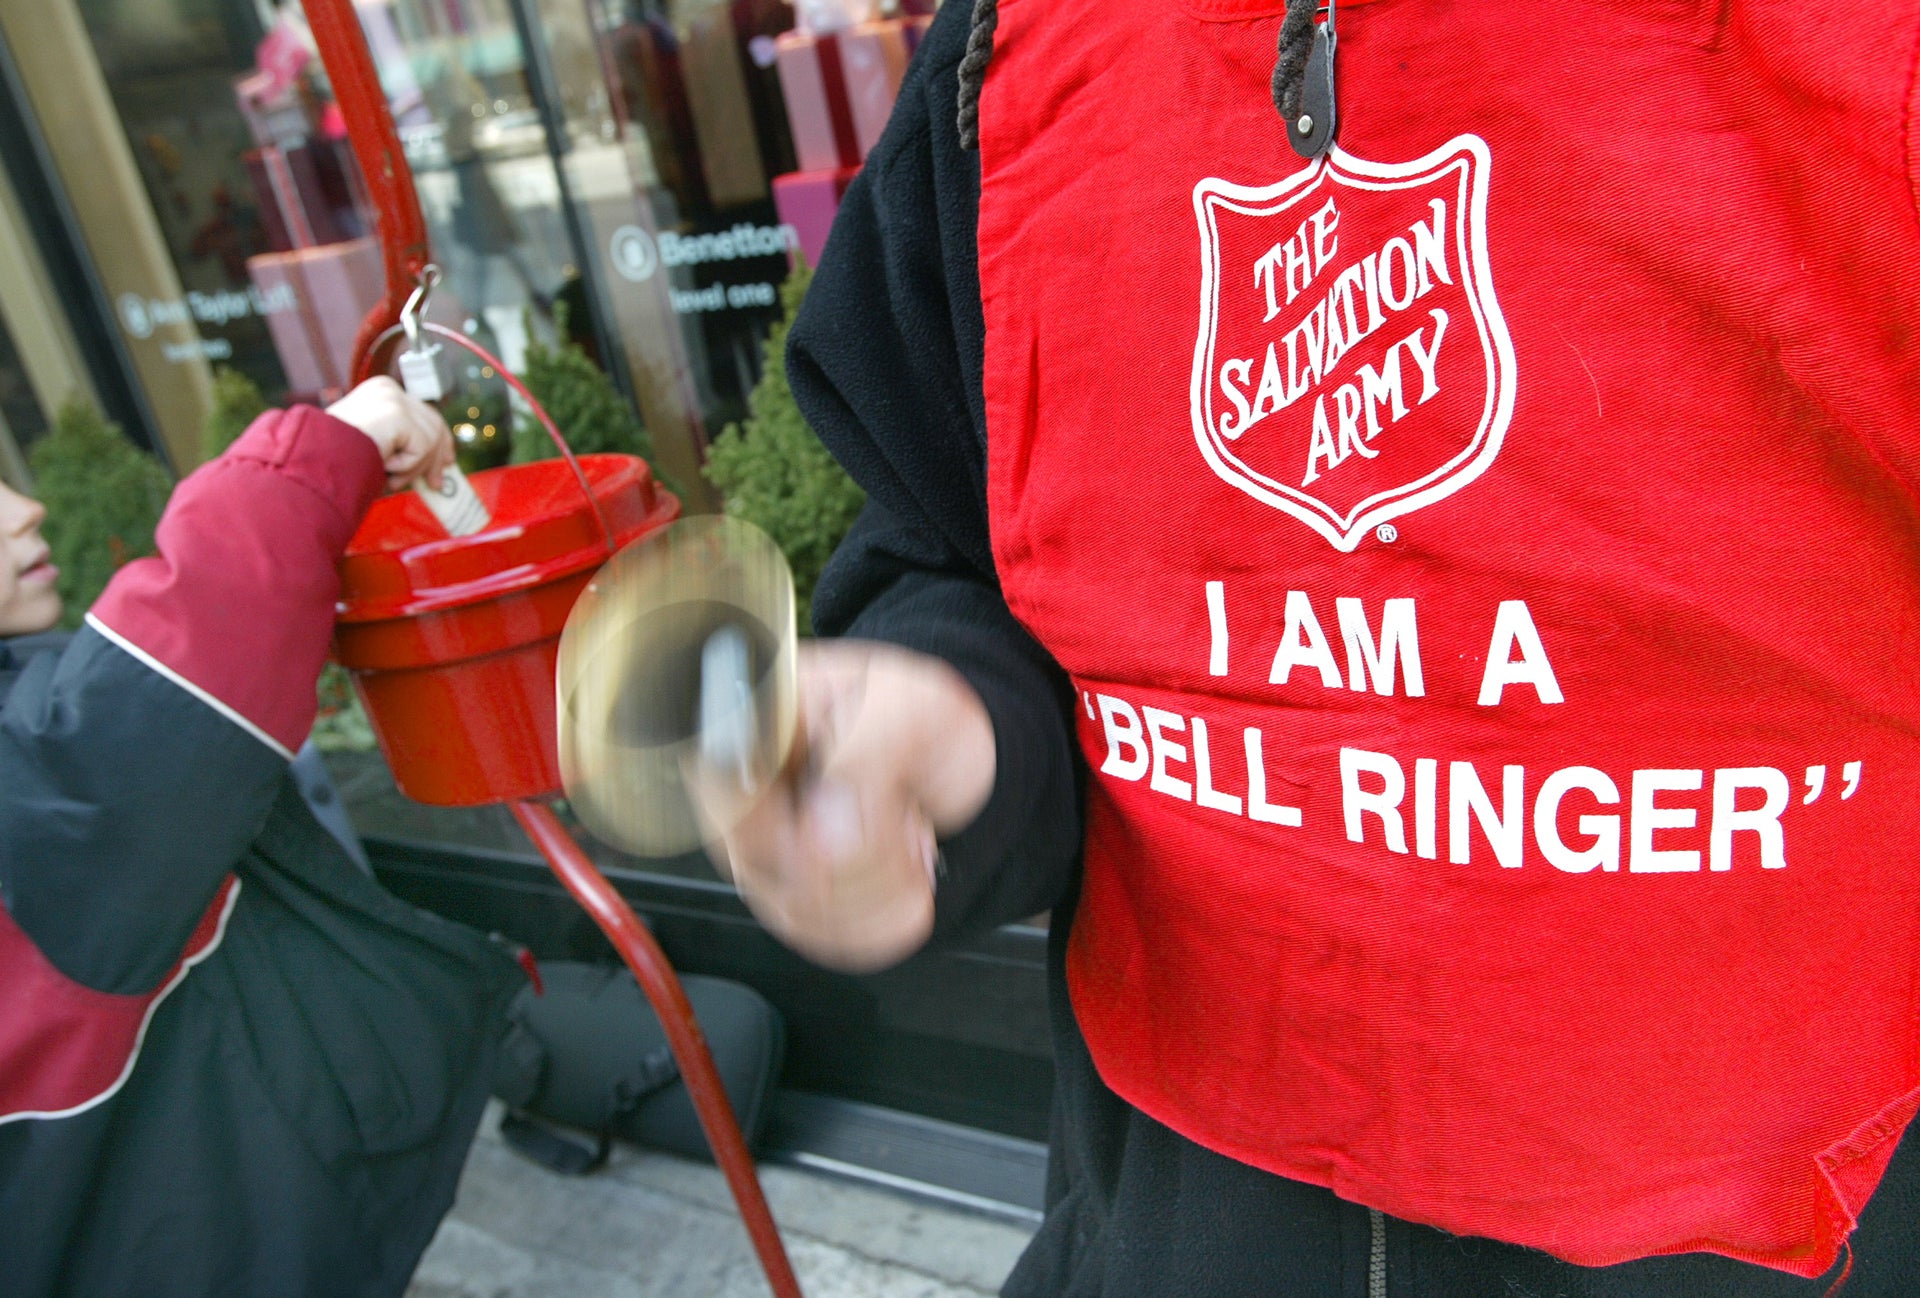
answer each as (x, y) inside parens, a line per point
(1352, 364)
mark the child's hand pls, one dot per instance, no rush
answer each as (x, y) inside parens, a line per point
(412, 437)
(838, 859)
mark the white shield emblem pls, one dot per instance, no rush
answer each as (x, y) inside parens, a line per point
(1352, 364)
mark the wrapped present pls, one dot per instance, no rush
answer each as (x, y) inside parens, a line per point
(815, 90)
(274, 111)
(822, 16)
(807, 201)
(270, 96)
(308, 195)
(282, 56)
(314, 300)
(294, 338)
(840, 87)
(873, 59)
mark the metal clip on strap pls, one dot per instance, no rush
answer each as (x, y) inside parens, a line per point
(1311, 133)
(416, 308)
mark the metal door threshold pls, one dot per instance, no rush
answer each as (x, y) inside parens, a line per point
(1001, 1176)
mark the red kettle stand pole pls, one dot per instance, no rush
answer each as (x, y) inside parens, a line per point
(669, 1000)
(383, 166)
(405, 250)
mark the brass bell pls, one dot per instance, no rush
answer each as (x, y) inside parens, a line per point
(677, 684)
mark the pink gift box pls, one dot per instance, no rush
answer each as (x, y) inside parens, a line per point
(815, 91)
(873, 58)
(807, 201)
(280, 302)
(840, 89)
(328, 185)
(315, 299)
(307, 196)
(274, 113)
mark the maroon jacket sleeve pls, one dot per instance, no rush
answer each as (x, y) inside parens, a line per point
(238, 606)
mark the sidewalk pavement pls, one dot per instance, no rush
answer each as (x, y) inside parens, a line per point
(651, 1225)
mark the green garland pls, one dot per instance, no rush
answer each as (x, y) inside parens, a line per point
(583, 401)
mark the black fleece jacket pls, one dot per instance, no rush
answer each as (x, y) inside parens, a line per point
(886, 362)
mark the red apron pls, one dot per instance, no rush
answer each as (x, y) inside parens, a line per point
(1487, 561)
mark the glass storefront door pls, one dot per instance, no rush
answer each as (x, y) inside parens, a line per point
(613, 165)
(670, 152)
(219, 202)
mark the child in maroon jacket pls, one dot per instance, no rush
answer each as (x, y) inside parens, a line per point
(229, 1062)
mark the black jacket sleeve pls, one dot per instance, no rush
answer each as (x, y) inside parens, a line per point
(137, 763)
(885, 362)
(124, 804)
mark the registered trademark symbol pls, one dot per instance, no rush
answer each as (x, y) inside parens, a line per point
(1387, 533)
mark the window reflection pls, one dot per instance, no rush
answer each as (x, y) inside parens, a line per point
(625, 168)
(675, 174)
(22, 421)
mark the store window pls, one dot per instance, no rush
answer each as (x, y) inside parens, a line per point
(709, 153)
(457, 80)
(635, 177)
(706, 133)
(170, 68)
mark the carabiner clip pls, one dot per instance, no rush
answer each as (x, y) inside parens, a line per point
(416, 307)
(419, 371)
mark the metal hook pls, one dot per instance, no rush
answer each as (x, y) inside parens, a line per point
(416, 307)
